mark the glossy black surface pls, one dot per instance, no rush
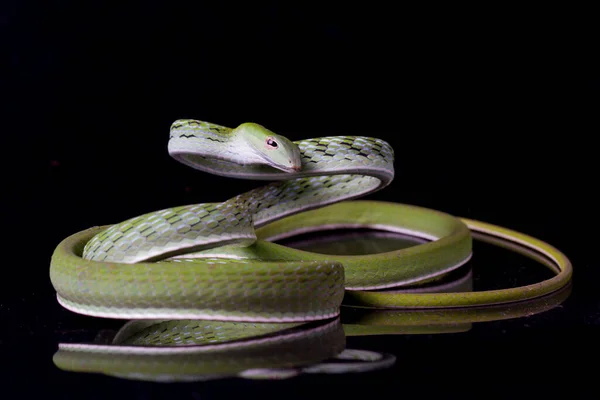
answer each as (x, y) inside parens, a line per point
(489, 112)
(517, 343)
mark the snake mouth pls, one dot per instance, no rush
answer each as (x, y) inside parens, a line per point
(285, 168)
(292, 167)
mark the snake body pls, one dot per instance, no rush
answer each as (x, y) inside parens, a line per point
(218, 261)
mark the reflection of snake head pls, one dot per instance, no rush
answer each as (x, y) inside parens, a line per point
(276, 150)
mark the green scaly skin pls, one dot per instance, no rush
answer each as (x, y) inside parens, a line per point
(215, 261)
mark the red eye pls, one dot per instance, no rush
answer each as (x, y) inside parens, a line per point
(271, 143)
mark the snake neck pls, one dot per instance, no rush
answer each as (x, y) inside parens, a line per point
(198, 143)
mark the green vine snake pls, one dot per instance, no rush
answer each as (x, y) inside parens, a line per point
(218, 260)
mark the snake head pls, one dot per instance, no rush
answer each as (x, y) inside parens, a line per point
(274, 150)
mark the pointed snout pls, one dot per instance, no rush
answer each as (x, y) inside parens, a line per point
(295, 162)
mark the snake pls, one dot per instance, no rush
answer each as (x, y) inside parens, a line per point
(220, 260)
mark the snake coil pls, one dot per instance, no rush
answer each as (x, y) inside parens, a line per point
(218, 260)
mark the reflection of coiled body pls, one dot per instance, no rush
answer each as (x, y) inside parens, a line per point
(190, 350)
(198, 350)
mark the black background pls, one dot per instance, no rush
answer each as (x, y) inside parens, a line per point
(490, 111)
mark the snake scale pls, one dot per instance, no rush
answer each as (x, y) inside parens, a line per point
(219, 260)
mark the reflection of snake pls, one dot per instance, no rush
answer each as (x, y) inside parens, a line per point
(201, 349)
(207, 261)
(185, 350)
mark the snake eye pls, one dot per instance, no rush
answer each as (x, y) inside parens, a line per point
(271, 143)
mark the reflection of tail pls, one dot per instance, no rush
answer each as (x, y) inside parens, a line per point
(353, 361)
(348, 361)
(359, 321)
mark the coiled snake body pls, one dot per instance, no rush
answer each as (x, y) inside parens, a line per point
(217, 261)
